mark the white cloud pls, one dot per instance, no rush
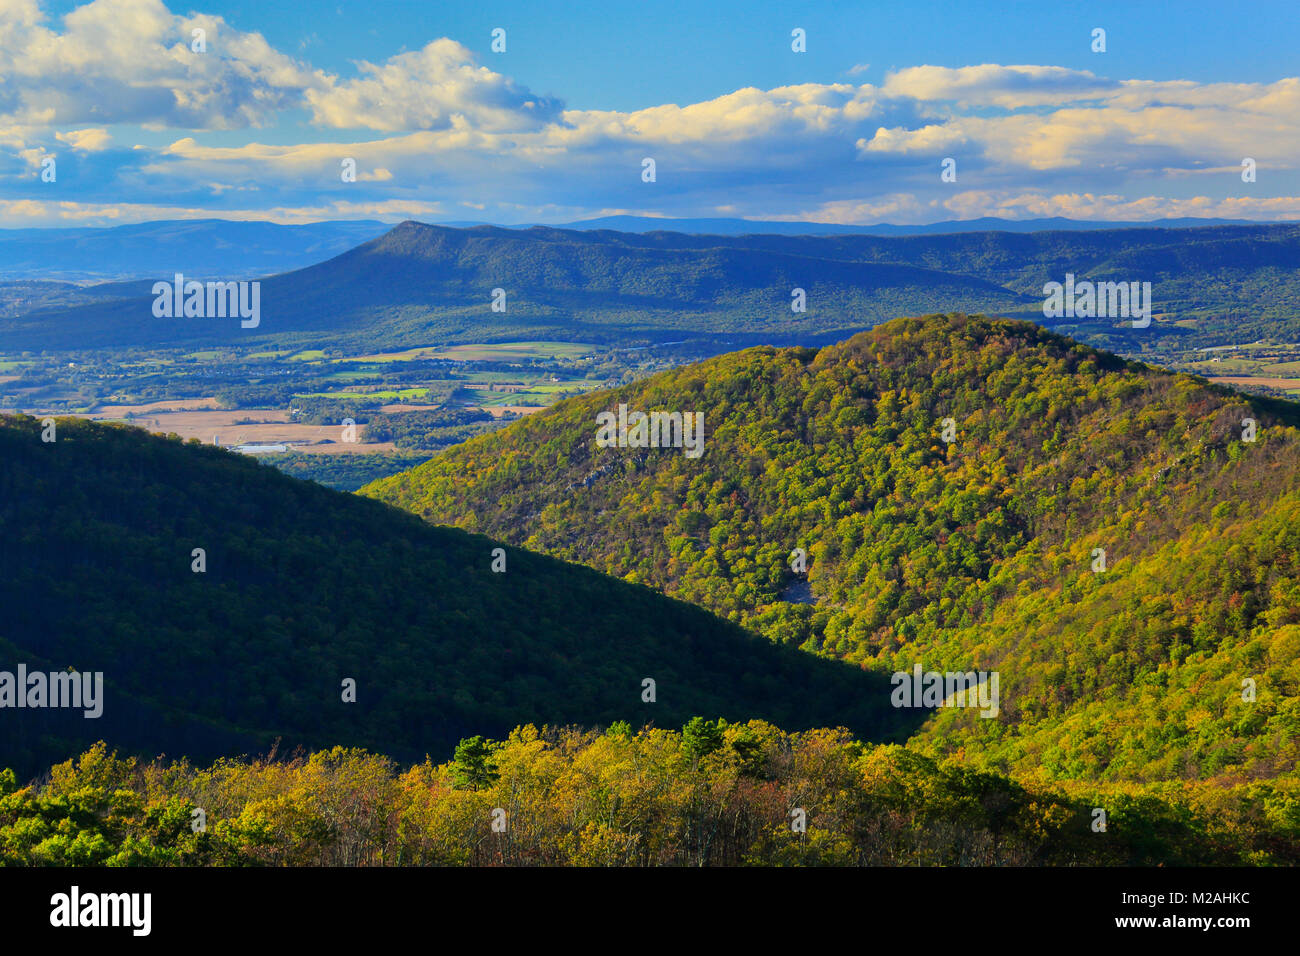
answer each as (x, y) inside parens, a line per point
(429, 89)
(86, 140)
(130, 61)
(991, 84)
(1010, 204)
(50, 212)
(927, 139)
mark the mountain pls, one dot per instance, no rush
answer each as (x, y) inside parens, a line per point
(418, 285)
(304, 588)
(723, 226)
(983, 553)
(231, 248)
(742, 227)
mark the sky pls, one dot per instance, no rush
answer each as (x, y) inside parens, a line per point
(112, 112)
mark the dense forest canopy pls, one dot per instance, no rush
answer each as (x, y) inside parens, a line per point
(1119, 544)
(979, 553)
(711, 793)
(302, 588)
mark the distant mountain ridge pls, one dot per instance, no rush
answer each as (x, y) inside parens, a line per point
(741, 227)
(212, 247)
(420, 284)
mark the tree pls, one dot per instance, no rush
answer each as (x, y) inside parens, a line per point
(472, 765)
(700, 738)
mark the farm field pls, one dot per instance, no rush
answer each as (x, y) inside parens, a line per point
(229, 427)
(1258, 381)
(402, 403)
(1264, 368)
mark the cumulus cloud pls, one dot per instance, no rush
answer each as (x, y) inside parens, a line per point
(806, 151)
(927, 139)
(991, 84)
(86, 140)
(133, 61)
(130, 61)
(430, 89)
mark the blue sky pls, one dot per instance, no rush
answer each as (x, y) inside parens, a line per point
(558, 126)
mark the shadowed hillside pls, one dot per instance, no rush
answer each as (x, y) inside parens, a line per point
(305, 587)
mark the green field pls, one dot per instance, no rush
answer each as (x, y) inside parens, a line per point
(493, 352)
(1264, 368)
(508, 351)
(409, 355)
(389, 395)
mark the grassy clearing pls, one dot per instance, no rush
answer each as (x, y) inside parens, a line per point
(409, 355)
(505, 351)
(389, 395)
(1285, 384)
(493, 352)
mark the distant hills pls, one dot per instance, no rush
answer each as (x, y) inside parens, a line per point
(304, 588)
(742, 227)
(232, 248)
(1118, 542)
(252, 249)
(419, 285)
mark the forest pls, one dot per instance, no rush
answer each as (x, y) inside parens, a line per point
(419, 284)
(229, 605)
(1118, 541)
(710, 794)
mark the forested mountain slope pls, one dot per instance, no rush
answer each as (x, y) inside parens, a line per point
(303, 588)
(420, 285)
(977, 554)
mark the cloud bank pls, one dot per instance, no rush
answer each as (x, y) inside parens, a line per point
(434, 132)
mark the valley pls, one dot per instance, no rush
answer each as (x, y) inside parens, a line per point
(840, 446)
(403, 405)
(435, 368)
(1095, 522)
